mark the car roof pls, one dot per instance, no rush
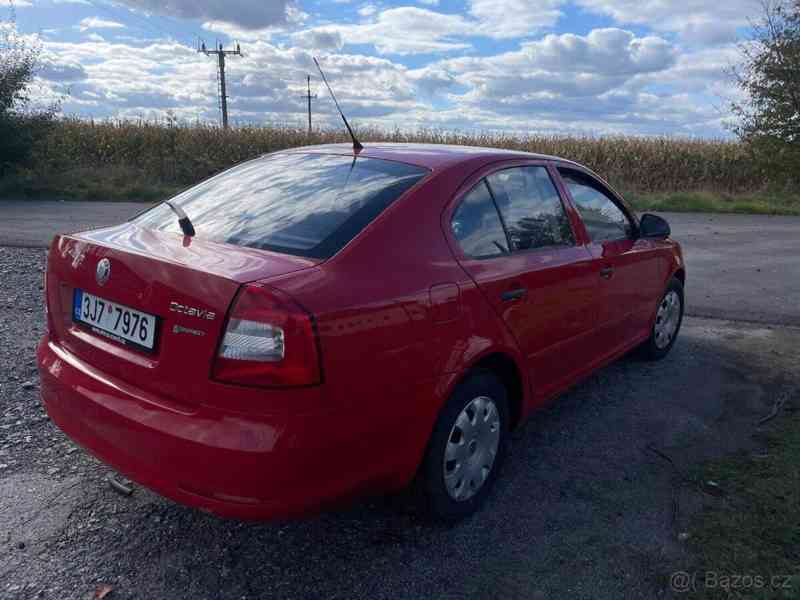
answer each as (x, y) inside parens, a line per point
(430, 156)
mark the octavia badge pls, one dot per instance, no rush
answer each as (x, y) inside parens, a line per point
(103, 271)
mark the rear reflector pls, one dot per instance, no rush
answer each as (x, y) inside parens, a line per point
(269, 341)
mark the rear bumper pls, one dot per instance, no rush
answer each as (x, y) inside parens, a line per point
(242, 466)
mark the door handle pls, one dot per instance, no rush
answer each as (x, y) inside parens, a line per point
(606, 272)
(514, 294)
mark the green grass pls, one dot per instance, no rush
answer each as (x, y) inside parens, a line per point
(755, 528)
(753, 204)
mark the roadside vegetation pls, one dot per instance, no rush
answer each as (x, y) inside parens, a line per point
(747, 545)
(119, 160)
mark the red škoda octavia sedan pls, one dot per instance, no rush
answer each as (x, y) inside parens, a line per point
(317, 323)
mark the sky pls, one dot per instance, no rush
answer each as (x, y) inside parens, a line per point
(586, 67)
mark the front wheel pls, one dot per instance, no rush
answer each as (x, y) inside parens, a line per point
(467, 448)
(667, 324)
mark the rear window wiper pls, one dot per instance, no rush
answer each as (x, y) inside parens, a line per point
(183, 219)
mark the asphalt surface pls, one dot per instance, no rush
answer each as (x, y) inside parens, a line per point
(739, 266)
(592, 503)
(33, 223)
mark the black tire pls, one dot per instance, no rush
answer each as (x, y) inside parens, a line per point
(439, 503)
(651, 350)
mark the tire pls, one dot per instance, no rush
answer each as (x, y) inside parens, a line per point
(458, 450)
(661, 340)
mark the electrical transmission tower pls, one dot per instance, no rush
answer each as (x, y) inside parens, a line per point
(309, 97)
(223, 95)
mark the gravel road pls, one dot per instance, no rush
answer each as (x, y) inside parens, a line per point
(585, 508)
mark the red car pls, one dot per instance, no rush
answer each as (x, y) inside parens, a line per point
(322, 323)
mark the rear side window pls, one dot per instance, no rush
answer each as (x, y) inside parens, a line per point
(304, 204)
(603, 219)
(531, 208)
(476, 225)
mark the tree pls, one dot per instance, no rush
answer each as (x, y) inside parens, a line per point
(769, 76)
(20, 125)
(18, 60)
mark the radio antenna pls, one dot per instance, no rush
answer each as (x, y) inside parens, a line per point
(357, 147)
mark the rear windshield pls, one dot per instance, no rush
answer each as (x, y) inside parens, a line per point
(304, 204)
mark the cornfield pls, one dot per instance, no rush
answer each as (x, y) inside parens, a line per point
(172, 155)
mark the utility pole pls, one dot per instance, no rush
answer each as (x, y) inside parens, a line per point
(223, 95)
(309, 97)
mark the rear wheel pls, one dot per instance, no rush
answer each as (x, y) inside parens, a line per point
(467, 448)
(667, 324)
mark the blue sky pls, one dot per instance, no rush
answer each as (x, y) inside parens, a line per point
(596, 67)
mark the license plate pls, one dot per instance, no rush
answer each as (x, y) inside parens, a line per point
(115, 321)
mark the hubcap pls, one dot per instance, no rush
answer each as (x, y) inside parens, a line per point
(471, 448)
(667, 319)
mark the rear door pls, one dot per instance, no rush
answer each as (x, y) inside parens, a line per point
(628, 267)
(516, 240)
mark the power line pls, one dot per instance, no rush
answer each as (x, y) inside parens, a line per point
(221, 54)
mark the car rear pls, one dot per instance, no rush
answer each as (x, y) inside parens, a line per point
(179, 361)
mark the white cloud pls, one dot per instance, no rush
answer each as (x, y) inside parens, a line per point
(592, 81)
(319, 39)
(113, 79)
(407, 30)
(238, 33)
(514, 18)
(701, 21)
(61, 72)
(248, 14)
(98, 23)
(414, 30)
(608, 51)
(608, 80)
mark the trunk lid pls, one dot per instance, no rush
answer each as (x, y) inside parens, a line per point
(187, 283)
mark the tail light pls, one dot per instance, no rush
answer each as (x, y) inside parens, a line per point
(269, 341)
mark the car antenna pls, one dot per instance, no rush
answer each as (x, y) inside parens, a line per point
(183, 219)
(357, 147)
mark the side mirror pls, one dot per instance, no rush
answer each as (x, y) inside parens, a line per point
(653, 227)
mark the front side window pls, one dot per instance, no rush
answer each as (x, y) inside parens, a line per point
(304, 204)
(531, 208)
(477, 226)
(603, 219)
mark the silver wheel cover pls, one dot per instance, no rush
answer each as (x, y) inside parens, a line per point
(667, 319)
(471, 448)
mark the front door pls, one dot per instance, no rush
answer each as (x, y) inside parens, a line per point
(628, 267)
(519, 247)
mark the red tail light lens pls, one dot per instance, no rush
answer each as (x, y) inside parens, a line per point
(269, 341)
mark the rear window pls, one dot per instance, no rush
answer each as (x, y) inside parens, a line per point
(303, 204)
